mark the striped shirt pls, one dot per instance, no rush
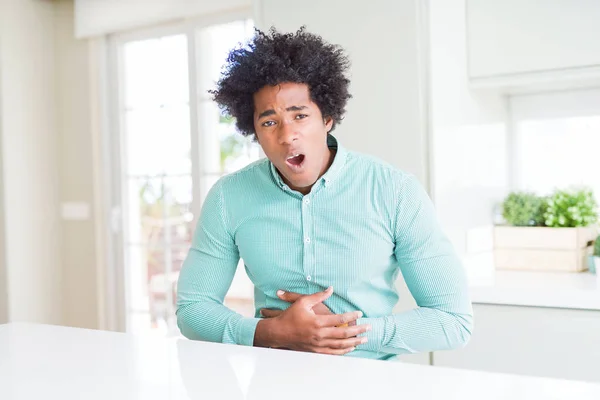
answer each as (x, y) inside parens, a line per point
(362, 223)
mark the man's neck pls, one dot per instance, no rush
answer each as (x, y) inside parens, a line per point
(324, 169)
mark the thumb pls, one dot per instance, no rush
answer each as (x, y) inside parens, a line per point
(290, 297)
(317, 298)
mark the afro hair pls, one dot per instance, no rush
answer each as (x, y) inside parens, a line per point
(273, 58)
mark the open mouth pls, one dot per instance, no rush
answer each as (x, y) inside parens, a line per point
(295, 160)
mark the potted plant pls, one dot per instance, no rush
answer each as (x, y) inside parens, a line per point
(523, 209)
(546, 233)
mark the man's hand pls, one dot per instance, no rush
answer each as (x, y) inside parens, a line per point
(300, 328)
(291, 297)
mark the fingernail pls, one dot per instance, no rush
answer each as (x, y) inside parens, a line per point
(280, 293)
(368, 328)
(261, 313)
(329, 288)
(364, 340)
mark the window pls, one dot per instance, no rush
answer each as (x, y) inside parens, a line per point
(174, 144)
(556, 141)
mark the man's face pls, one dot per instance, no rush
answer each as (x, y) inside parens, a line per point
(292, 133)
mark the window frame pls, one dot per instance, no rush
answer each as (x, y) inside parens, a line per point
(543, 105)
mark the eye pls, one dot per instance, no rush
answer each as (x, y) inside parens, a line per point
(266, 124)
(301, 116)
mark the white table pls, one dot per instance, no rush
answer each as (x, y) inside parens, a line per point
(49, 362)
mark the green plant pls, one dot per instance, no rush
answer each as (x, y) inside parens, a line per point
(523, 209)
(597, 247)
(571, 208)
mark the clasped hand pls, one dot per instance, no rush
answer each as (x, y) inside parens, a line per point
(309, 325)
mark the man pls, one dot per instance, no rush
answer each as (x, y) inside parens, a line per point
(312, 216)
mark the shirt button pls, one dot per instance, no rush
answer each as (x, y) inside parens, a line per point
(307, 240)
(306, 201)
(308, 278)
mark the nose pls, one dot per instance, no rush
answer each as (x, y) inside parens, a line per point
(288, 132)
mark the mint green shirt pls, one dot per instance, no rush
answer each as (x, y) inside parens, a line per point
(363, 222)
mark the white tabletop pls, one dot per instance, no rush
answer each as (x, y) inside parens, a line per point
(48, 362)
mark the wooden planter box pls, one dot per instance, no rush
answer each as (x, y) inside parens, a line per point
(543, 249)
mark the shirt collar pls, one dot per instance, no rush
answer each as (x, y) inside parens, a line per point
(338, 161)
(334, 170)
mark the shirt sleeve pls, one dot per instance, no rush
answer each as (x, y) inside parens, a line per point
(435, 277)
(205, 278)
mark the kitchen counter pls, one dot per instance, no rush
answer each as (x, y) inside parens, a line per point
(536, 289)
(49, 362)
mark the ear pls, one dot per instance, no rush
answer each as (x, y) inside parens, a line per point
(328, 123)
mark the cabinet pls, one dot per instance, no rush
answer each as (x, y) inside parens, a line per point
(529, 41)
(535, 341)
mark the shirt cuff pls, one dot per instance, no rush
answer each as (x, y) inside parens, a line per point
(245, 331)
(375, 336)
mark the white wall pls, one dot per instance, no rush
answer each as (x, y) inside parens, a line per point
(3, 277)
(96, 17)
(384, 117)
(79, 266)
(468, 130)
(30, 165)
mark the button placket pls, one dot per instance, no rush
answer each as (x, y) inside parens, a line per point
(308, 254)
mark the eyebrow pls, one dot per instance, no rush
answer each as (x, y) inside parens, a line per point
(269, 112)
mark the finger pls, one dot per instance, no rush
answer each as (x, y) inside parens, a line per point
(343, 343)
(346, 332)
(339, 319)
(316, 298)
(265, 312)
(321, 309)
(290, 297)
(327, 350)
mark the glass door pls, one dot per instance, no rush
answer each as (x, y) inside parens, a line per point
(156, 176)
(174, 144)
